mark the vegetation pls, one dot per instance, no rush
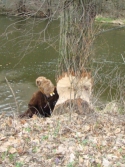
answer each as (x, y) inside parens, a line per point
(104, 19)
(101, 19)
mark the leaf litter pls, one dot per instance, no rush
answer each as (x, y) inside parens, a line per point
(90, 140)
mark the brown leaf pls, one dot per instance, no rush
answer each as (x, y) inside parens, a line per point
(106, 163)
(72, 157)
(118, 130)
(9, 122)
(80, 160)
(20, 151)
(0, 161)
(35, 116)
(86, 128)
(12, 150)
(22, 121)
(2, 138)
(61, 150)
(117, 154)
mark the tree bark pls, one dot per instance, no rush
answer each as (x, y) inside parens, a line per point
(76, 39)
(76, 34)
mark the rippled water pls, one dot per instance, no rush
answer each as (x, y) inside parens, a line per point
(110, 63)
(25, 55)
(21, 70)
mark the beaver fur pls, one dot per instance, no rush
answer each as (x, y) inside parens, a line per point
(45, 85)
(41, 105)
(43, 101)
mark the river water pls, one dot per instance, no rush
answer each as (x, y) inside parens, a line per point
(27, 51)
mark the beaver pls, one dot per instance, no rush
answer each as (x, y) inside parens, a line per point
(43, 101)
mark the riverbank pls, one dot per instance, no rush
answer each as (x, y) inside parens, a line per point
(94, 139)
(101, 19)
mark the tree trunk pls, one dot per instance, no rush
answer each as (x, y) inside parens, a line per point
(76, 34)
(76, 38)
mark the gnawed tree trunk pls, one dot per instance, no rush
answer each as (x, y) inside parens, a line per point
(74, 93)
(76, 39)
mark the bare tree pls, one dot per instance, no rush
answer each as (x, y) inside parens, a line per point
(76, 34)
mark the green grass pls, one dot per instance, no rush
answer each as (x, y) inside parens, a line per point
(19, 164)
(104, 19)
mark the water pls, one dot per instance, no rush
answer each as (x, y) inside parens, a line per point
(109, 61)
(26, 52)
(22, 59)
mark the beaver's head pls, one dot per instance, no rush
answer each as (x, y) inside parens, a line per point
(45, 85)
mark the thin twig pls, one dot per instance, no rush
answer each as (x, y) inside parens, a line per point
(123, 58)
(12, 94)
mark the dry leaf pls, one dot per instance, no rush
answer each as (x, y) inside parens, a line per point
(117, 154)
(35, 141)
(20, 150)
(3, 148)
(2, 138)
(118, 130)
(86, 162)
(72, 157)
(12, 150)
(9, 122)
(80, 160)
(23, 121)
(106, 163)
(61, 150)
(98, 161)
(35, 116)
(86, 128)
(123, 147)
(1, 116)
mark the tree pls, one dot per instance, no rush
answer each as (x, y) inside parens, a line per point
(76, 39)
(76, 33)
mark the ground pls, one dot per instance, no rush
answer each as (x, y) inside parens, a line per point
(70, 140)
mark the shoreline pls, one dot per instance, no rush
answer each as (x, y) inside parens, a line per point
(101, 19)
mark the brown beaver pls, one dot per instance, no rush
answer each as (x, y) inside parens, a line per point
(43, 101)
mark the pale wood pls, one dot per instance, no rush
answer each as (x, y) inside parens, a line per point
(74, 89)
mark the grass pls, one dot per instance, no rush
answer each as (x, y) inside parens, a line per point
(104, 19)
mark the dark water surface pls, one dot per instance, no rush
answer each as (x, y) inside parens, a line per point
(26, 52)
(109, 63)
(25, 55)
